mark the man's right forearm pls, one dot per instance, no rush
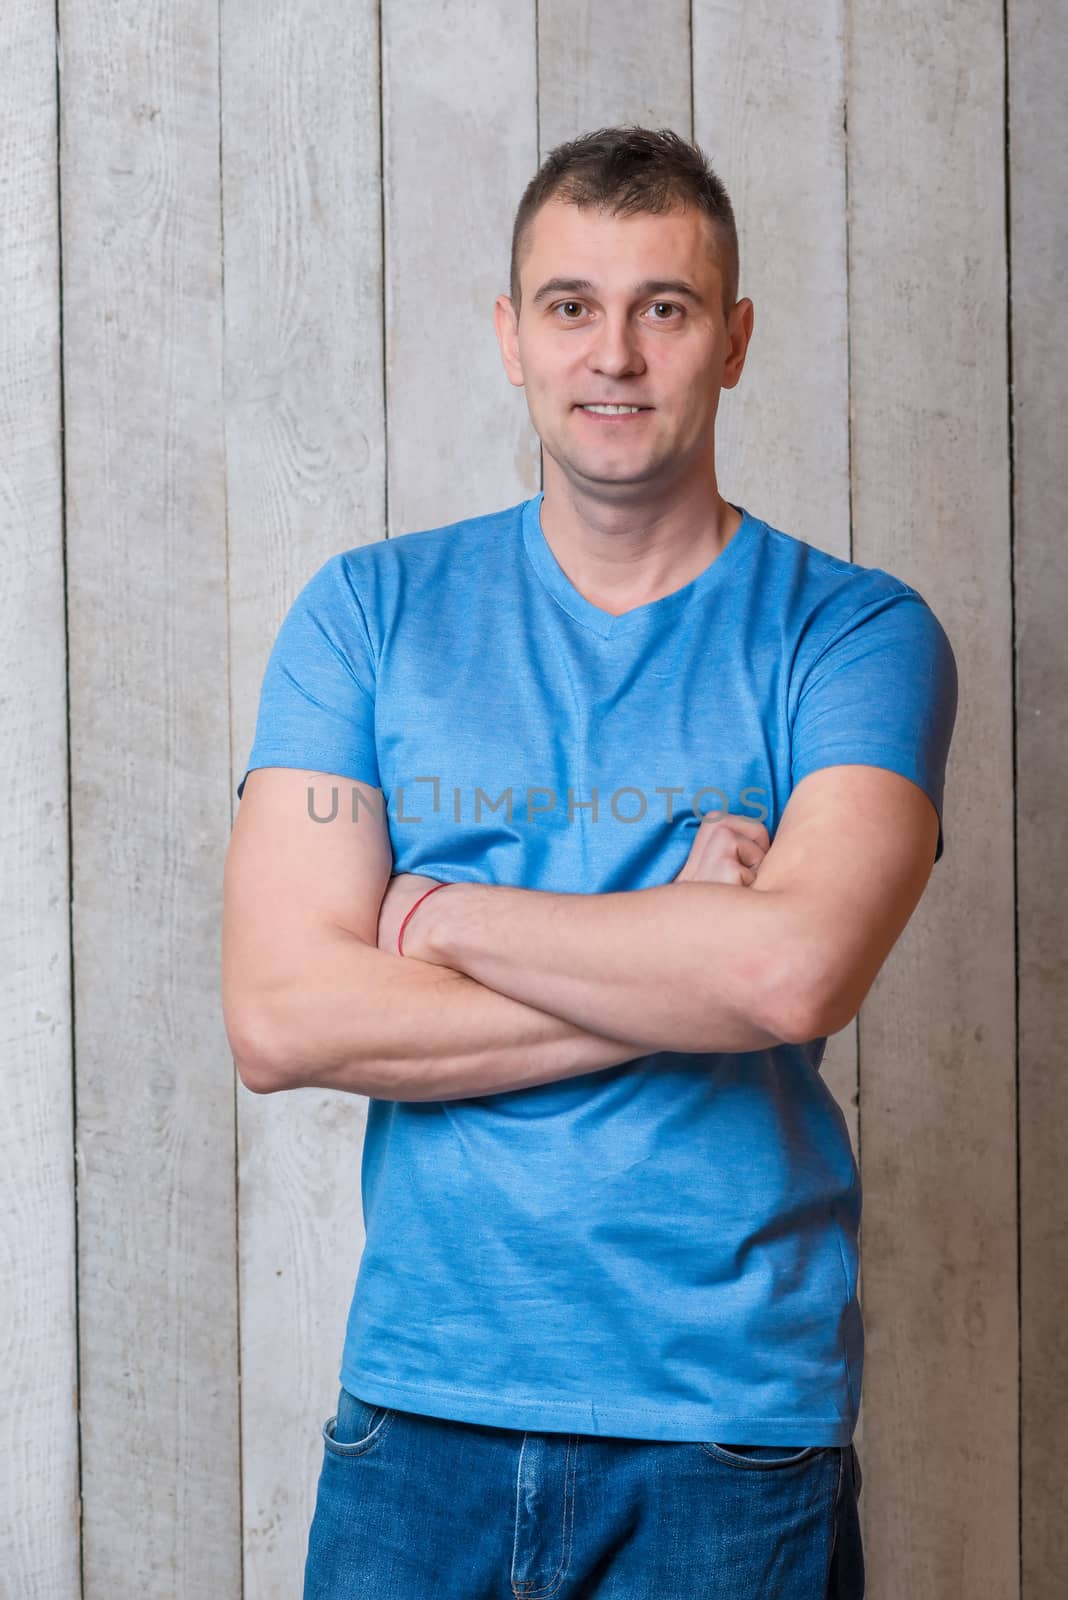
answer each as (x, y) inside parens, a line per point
(396, 1028)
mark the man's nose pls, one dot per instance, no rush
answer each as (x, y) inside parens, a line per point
(616, 348)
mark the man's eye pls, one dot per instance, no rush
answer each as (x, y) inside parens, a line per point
(658, 305)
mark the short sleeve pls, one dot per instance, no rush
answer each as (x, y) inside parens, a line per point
(882, 693)
(317, 700)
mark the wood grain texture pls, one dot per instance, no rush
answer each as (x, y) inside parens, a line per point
(306, 478)
(39, 1508)
(459, 107)
(1038, 188)
(142, 371)
(600, 66)
(931, 504)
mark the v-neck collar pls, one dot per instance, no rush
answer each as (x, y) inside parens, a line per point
(654, 612)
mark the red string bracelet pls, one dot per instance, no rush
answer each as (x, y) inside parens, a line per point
(419, 902)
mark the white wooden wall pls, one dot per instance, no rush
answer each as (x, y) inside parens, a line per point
(250, 258)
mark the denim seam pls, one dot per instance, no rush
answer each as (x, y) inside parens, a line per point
(758, 1463)
(357, 1447)
(835, 1519)
(523, 1590)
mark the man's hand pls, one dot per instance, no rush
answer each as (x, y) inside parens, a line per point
(402, 891)
(725, 849)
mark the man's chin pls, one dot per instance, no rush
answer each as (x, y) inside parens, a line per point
(592, 470)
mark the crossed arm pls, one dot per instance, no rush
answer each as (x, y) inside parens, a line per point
(503, 988)
(710, 966)
(682, 966)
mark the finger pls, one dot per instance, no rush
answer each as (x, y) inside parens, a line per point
(737, 824)
(750, 853)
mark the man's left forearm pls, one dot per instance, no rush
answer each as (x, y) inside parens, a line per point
(681, 966)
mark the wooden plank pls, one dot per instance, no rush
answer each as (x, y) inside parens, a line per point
(772, 128)
(1038, 192)
(930, 488)
(39, 1509)
(306, 478)
(460, 145)
(142, 302)
(600, 66)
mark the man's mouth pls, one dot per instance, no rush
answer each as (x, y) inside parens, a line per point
(613, 410)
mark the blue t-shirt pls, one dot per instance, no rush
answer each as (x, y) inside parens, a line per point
(667, 1248)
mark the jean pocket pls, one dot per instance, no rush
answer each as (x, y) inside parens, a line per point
(356, 1426)
(762, 1457)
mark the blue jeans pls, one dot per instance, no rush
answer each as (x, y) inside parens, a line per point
(411, 1506)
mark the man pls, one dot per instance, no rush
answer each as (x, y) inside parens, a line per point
(605, 1338)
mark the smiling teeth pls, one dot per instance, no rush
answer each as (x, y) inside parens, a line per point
(612, 411)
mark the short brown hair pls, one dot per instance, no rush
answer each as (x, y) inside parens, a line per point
(626, 170)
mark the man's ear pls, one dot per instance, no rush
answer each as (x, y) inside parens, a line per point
(507, 325)
(740, 328)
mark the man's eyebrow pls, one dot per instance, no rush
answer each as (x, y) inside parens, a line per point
(649, 286)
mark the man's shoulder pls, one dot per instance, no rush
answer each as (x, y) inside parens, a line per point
(427, 545)
(420, 572)
(824, 575)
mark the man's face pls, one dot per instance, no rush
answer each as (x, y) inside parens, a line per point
(633, 336)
